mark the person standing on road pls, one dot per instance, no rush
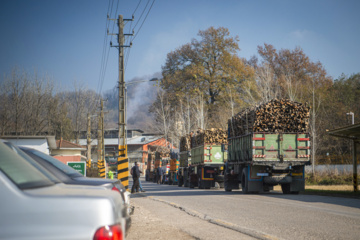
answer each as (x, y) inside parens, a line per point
(159, 175)
(135, 172)
(141, 189)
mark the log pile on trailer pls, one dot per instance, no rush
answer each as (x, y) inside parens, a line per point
(163, 151)
(185, 143)
(275, 116)
(213, 135)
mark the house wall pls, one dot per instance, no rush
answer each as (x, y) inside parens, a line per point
(65, 152)
(65, 159)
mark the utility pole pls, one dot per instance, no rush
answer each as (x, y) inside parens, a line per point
(123, 162)
(88, 141)
(101, 153)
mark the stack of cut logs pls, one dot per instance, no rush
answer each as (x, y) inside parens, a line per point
(274, 116)
(151, 156)
(185, 143)
(213, 135)
(163, 151)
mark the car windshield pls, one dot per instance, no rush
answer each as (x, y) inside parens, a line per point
(17, 150)
(19, 171)
(63, 167)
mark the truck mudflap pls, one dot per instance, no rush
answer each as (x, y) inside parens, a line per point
(231, 181)
(275, 180)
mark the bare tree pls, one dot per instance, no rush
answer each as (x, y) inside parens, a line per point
(266, 82)
(80, 102)
(162, 111)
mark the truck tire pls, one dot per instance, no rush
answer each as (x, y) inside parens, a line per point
(180, 181)
(200, 183)
(226, 186)
(244, 182)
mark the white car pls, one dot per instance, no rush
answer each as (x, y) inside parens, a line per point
(34, 207)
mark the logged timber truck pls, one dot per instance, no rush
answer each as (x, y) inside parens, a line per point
(208, 153)
(150, 167)
(183, 172)
(174, 167)
(268, 145)
(184, 160)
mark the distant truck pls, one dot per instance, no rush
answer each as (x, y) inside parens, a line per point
(207, 165)
(174, 167)
(269, 146)
(165, 166)
(202, 161)
(183, 171)
(150, 168)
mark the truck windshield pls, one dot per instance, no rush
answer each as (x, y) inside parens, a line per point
(21, 172)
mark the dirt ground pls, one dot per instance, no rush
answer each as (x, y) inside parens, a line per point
(147, 226)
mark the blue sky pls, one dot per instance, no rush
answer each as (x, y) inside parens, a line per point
(65, 39)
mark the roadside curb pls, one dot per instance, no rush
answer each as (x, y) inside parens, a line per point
(219, 222)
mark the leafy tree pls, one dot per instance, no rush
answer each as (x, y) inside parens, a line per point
(205, 68)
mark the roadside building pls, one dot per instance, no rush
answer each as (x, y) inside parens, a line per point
(66, 151)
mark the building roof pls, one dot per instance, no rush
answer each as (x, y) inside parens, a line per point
(63, 144)
(137, 140)
(350, 131)
(50, 139)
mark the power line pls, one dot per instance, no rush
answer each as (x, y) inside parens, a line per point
(137, 32)
(102, 64)
(137, 7)
(105, 57)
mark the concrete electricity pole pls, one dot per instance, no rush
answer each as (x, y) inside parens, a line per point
(88, 141)
(123, 162)
(101, 152)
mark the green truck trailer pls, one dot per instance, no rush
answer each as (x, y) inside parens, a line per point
(183, 170)
(260, 161)
(207, 165)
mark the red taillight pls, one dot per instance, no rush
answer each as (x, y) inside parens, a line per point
(115, 189)
(113, 232)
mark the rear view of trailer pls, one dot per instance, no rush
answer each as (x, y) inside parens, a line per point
(264, 160)
(269, 145)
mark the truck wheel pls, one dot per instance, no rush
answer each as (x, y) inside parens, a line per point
(200, 184)
(285, 188)
(180, 181)
(244, 182)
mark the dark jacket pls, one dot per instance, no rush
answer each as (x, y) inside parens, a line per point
(135, 172)
(159, 171)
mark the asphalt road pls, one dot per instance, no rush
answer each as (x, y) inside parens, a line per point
(262, 216)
